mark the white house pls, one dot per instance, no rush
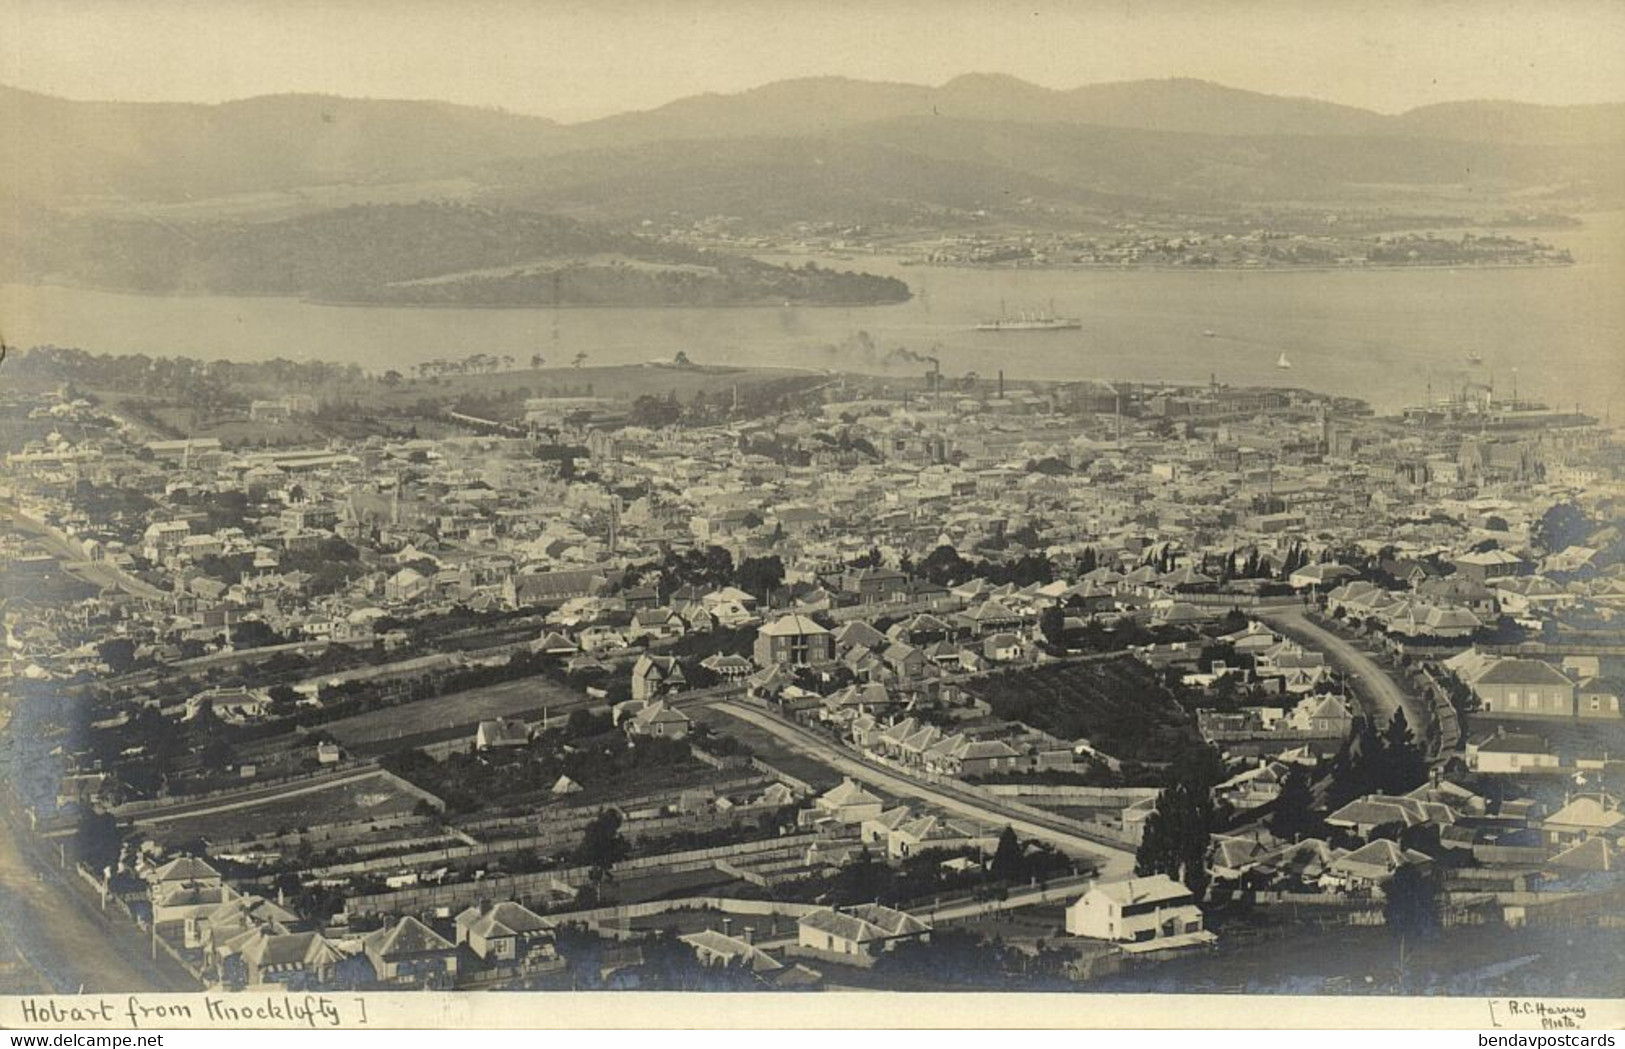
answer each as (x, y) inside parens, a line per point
(1148, 909)
(849, 803)
(1511, 753)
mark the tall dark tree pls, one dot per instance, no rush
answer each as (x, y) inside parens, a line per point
(945, 566)
(1404, 766)
(1410, 905)
(118, 653)
(602, 845)
(217, 754)
(96, 840)
(1179, 829)
(760, 575)
(863, 880)
(1292, 814)
(1052, 624)
(1356, 767)
(1561, 527)
(1008, 860)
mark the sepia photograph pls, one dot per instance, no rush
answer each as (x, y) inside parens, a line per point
(1109, 505)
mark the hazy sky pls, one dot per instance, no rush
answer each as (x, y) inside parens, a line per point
(574, 60)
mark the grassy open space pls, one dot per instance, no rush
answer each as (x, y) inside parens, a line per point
(376, 797)
(1022, 925)
(770, 749)
(671, 885)
(450, 713)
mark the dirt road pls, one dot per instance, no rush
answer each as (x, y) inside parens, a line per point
(62, 934)
(1377, 691)
(1113, 862)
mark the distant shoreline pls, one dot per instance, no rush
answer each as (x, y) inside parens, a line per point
(346, 304)
(1057, 267)
(1163, 267)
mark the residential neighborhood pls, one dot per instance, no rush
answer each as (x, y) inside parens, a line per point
(807, 697)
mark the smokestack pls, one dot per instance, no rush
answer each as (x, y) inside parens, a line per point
(1001, 384)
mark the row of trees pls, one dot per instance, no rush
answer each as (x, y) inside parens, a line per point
(1391, 761)
(1178, 831)
(945, 566)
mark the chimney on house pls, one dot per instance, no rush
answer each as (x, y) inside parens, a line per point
(727, 926)
(750, 934)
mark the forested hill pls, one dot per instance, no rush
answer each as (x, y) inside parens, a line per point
(419, 254)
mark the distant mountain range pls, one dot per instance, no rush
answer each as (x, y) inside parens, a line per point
(1196, 141)
(821, 150)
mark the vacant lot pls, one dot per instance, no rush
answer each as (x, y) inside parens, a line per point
(669, 885)
(770, 749)
(264, 812)
(444, 716)
(1119, 705)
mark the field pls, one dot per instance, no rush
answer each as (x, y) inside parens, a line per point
(641, 888)
(445, 717)
(1119, 705)
(51, 586)
(1022, 925)
(768, 747)
(294, 807)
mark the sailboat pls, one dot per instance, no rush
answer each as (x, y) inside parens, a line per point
(1282, 362)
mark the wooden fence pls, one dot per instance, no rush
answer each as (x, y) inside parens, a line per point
(527, 886)
(135, 810)
(1104, 797)
(554, 839)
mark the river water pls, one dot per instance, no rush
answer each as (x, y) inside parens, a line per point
(1385, 335)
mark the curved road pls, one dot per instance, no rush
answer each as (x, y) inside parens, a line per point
(1379, 693)
(1114, 862)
